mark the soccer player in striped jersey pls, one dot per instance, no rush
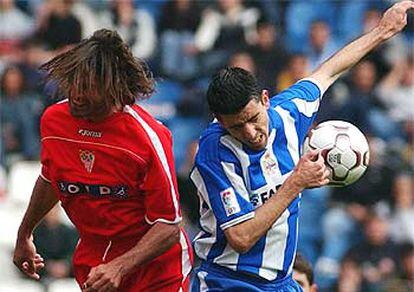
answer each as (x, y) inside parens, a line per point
(249, 171)
(110, 164)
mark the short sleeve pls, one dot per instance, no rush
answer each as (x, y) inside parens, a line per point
(44, 153)
(301, 101)
(160, 187)
(223, 190)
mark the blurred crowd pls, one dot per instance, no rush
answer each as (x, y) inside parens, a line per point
(359, 238)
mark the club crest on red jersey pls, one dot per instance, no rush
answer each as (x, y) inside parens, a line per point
(87, 158)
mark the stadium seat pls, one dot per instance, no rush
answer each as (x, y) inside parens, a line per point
(163, 104)
(11, 217)
(64, 285)
(22, 177)
(184, 130)
(18, 285)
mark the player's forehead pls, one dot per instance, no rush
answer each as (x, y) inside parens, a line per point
(251, 109)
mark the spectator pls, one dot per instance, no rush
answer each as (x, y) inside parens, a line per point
(396, 91)
(223, 31)
(350, 277)
(20, 112)
(404, 279)
(377, 255)
(303, 274)
(57, 27)
(243, 60)
(350, 206)
(136, 27)
(56, 242)
(386, 54)
(296, 69)
(179, 21)
(15, 26)
(322, 46)
(403, 215)
(268, 53)
(363, 107)
(86, 16)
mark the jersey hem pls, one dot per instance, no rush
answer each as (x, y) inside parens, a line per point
(45, 178)
(162, 220)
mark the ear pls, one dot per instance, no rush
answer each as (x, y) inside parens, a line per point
(264, 98)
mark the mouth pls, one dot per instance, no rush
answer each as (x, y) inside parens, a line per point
(258, 140)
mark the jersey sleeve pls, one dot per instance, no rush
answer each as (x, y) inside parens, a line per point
(222, 188)
(301, 101)
(44, 153)
(160, 187)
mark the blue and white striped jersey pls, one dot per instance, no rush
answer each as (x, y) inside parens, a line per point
(233, 180)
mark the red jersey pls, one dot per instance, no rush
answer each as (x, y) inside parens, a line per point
(115, 177)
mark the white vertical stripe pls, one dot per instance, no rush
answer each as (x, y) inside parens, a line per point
(290, 133)
(229, 258)
(235, 180)
(185, 257)
(308, 108)
(207, 220)
(275, 247)
(161, 154)
(107, 250)
(202, 276)
(236, 147)
(272, 176)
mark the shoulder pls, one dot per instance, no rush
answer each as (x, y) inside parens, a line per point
(146, 123)
(215, 145)
(307, 89)
(56, 112)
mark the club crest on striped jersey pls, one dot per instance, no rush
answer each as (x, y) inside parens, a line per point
(88, 159)
(230, 203)
(268, 163)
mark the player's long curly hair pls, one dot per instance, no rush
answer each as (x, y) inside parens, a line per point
(99, 75)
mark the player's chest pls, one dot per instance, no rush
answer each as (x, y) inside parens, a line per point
(264, 176)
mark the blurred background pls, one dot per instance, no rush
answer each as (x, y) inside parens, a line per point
(358, 238)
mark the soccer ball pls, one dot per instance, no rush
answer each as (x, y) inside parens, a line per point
(344, 148)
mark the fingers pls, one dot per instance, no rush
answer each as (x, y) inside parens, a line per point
(312, 155)
(327, 173)
(100, 284)
(29, 270)
(92, 278)
(405, 5)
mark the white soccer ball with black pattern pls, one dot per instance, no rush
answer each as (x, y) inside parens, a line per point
(344, 148)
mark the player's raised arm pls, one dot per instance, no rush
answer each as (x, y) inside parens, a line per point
(392, 22)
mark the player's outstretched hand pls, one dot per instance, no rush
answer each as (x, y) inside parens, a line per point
(311, 171)
(26, 258)
(105, 277)
(395, 18)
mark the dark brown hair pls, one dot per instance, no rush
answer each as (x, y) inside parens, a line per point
(303, 266)
(100, 73)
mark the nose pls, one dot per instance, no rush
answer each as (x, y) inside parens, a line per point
(249, 132)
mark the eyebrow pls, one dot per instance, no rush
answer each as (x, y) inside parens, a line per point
(241, 124)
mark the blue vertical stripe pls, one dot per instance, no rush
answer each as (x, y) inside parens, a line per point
(292, 236)
(251, 261)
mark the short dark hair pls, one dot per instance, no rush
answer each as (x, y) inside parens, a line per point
(103, 64)
(303, 266)
(231, 89)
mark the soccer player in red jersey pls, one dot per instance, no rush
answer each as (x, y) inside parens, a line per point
(110, 164)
